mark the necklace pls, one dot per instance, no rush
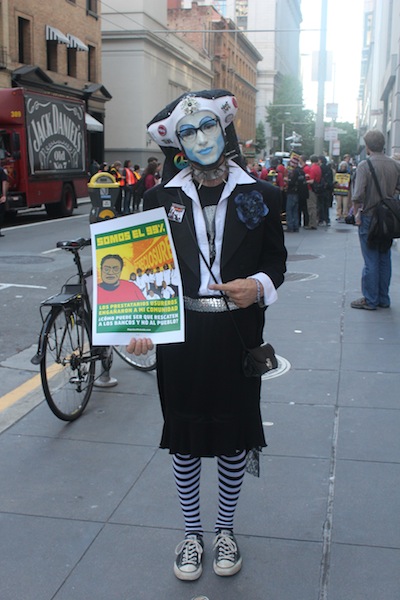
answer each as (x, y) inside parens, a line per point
(211, 177)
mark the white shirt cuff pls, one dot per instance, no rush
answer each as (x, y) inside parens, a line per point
(270, 293)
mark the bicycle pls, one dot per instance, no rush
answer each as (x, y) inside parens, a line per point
(66, 355)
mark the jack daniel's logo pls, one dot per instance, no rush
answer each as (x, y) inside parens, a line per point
(55, 135)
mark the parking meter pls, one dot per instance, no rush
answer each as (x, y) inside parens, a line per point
(103, 192)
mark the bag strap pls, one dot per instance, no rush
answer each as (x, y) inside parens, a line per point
(383, 200)
(225, 299)
(374, 177)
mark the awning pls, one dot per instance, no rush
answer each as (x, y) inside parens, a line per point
(55, 35)
(76, 43)
(93, 124)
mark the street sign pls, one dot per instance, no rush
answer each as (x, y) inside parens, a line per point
(331, 110)
(336, 148)
(330, 134)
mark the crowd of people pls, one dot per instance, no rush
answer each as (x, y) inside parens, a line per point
(133, 181)
(309, 186)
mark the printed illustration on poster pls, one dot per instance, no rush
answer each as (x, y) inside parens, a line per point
(341, 184)
(137, 287)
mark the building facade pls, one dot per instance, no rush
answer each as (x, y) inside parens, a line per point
(233, 60)
(145, 66)
(56, 50)
(273, 28)
(380, 74)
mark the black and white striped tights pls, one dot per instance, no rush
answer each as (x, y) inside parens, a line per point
(187, 470)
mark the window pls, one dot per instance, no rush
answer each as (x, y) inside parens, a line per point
(71, 62)
(92, 64)
(24, 41)
(91, 7)
(52, 47)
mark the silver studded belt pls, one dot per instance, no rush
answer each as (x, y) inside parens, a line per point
(208, 304)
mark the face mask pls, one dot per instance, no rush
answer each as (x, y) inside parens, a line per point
(201, 137)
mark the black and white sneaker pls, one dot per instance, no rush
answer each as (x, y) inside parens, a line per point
(189, 552)
(227, 559)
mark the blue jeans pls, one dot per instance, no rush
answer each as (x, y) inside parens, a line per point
(377, 271)
(292, 211)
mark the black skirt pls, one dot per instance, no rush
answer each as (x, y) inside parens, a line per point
(210, 408)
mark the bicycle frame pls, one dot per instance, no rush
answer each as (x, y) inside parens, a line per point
(72, 296)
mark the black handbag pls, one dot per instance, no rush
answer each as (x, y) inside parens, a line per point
(258, 361)
(385, 220)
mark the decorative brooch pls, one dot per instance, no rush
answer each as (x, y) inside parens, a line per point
(251, 209)
(189, 105)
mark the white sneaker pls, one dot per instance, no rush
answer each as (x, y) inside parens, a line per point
(189, 552)
(227, 559)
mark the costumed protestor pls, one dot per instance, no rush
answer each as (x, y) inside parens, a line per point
(228, 238)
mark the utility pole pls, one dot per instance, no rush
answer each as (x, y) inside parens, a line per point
(319, 123)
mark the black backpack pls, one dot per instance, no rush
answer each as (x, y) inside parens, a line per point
(326, 182)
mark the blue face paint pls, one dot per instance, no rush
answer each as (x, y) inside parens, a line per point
(201, 137)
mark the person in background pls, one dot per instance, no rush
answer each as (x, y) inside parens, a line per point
(292, 200)
(136, 196)
(115, 171)
(149, 176)
(94, 168)
(324, 197)
(3, 196)
(377, 270)
(129, 181)
(313, 174)
(341, 190)
(229, 241)
(302, 190)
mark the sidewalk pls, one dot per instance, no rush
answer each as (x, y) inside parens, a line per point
(88, 510)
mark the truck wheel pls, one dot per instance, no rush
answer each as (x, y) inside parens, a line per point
(65, 207)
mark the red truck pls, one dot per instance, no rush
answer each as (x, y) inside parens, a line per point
(43, 149)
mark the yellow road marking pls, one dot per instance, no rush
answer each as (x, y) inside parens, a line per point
(26, 388)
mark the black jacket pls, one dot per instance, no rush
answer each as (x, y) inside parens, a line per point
(244, 251)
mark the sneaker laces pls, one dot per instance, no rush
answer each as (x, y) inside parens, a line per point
(226, 547)
(191, 550)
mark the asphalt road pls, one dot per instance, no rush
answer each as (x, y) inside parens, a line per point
(32, 269)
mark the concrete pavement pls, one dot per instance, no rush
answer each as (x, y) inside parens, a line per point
(88, 510)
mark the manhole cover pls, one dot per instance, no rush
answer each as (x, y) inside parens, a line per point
(300, 276)
(25, 260)
(295, 257)
(282, 368)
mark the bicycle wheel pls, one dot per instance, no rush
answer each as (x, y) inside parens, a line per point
(144, 362)
(67, 368)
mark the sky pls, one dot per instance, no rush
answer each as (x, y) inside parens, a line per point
(344, 40)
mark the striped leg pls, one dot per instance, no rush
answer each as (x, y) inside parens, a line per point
(231, 470)
(187, 471)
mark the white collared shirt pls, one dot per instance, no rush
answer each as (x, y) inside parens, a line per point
(237, 176)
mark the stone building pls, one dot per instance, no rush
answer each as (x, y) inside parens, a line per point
(145, 66)
(233, 58)
(56, 48)
(273, 28)
(380, 73)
